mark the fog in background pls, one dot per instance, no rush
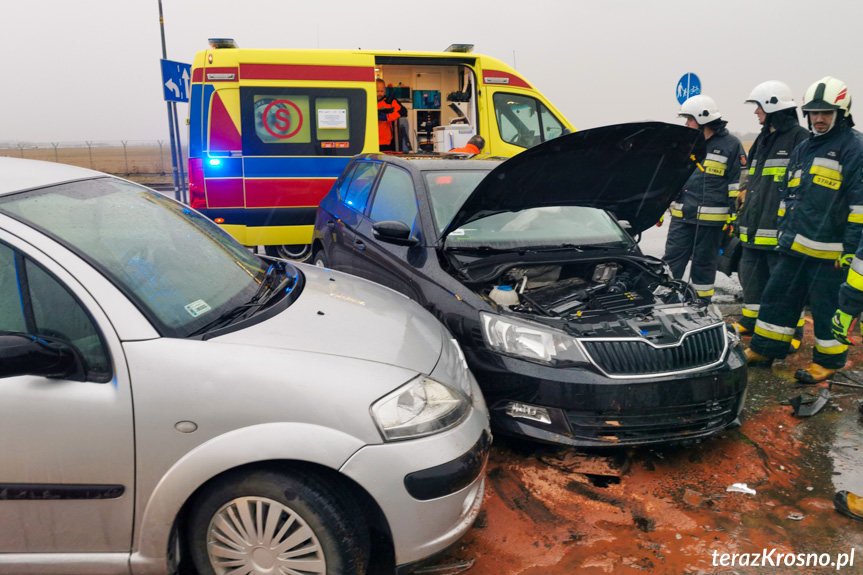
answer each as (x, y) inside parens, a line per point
(89, 69)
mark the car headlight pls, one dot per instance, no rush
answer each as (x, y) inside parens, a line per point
(420, 407)
(529, 340)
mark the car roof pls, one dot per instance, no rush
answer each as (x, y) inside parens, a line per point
(426, 162)
(18, 174)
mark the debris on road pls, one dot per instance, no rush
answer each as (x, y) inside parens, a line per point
(811, 407)
(740, 488)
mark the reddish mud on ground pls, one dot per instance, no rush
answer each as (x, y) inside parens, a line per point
(671, 511)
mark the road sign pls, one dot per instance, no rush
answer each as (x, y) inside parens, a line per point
(176, 78)
(688, 86)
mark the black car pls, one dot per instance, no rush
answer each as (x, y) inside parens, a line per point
(574, 335)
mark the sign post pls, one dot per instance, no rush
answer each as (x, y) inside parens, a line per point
(688, 86)
(176, 95)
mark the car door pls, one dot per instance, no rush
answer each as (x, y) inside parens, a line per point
(347, 211)
(381, 261)
(67, 458)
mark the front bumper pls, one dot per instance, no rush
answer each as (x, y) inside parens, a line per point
(588, 409)
(448, 467)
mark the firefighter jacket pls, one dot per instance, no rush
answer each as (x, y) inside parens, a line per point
(768, 159)
(708, 196)
(385, 119)
(821, 207)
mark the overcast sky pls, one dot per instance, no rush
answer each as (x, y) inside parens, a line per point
(79, 70)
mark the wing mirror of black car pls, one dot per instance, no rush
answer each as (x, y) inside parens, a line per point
(395, 233)
(24, 354)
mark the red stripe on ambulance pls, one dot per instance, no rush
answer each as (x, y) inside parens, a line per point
(225, 193)
(269, 193)
(308, 73)
(503, 79)
(224, 136)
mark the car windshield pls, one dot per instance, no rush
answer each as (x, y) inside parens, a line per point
(545, 227)
(181, 269)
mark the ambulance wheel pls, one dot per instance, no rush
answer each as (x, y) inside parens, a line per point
(295, 252)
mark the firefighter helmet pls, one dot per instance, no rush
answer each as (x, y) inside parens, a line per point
(702, 108)
(772, 96)
(828, 93)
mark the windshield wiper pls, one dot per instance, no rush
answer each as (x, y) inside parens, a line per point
(257, 300)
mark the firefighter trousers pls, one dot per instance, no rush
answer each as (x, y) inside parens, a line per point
(697, 242)
(754, 270)
(792, 281)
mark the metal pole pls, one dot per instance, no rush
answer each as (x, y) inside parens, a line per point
(180, 156)
(177, 194)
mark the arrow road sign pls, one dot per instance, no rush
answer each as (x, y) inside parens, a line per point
(175, 80)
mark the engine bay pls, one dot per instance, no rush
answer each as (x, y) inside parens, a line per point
(584, 289)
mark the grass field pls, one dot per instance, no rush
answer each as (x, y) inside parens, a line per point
(146, 164)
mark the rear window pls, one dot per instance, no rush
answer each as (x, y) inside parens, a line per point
(302, 121)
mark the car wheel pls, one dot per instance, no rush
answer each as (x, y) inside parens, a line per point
(295, 252)
(320, 259)
(273, 522)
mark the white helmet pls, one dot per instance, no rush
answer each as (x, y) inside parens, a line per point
(828, 93)
(702, 108)
(772, 96)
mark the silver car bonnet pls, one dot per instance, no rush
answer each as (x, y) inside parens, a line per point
(339, 314)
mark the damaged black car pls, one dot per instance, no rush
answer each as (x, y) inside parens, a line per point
(574, 335)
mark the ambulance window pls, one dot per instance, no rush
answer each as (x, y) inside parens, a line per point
(282, 119)
(551, 126)
(302, 121)
(362, 180)
(524, 121)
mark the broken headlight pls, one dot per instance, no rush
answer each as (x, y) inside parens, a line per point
(529, 340)
(420, 407)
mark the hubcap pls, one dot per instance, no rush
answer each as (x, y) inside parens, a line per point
(259, 535)
(295, 251)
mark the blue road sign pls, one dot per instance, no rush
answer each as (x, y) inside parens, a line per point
(176, 79)
(688, 86)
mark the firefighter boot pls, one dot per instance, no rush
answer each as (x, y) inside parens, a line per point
(813, 374)
(756, 359)
(849, 505)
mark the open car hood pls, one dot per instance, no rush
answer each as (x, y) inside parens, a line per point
(632, 170)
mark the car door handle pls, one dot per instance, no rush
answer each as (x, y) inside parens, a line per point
(331, 224)
(360, 245)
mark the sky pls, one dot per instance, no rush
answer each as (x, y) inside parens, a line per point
(89, 69)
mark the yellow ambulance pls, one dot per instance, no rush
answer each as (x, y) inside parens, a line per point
(271, 130)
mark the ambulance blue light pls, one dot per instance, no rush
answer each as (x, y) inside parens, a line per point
(215, 161)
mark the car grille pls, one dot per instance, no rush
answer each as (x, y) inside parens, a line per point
(654, 424)
(696, 349)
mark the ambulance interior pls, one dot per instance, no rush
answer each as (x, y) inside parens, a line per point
(440, 101)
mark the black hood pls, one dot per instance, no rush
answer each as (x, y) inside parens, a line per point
(632, 170)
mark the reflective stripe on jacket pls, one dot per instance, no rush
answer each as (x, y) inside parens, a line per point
(823, 198)
(769, 157)
(708, 196)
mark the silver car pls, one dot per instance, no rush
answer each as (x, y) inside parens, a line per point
(169, 399)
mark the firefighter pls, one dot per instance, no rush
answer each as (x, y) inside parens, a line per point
(389, 110)
(703, 206)
(474, 146)
(756, 224)
(821, 221)
(850, 307)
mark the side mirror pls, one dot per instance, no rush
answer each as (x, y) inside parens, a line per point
(24, 354)
(395, 233)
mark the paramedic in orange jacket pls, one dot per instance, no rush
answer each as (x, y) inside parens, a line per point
(388, 112)
(474, 146)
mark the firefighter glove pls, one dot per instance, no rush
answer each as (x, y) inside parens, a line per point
(842, 326)
(740, 200)
(843, 262)
(661, 219)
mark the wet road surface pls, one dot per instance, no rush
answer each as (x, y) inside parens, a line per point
(670, 511)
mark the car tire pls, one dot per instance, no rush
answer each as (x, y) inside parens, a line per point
(244, 519)
(320, 260)
(294, 252)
